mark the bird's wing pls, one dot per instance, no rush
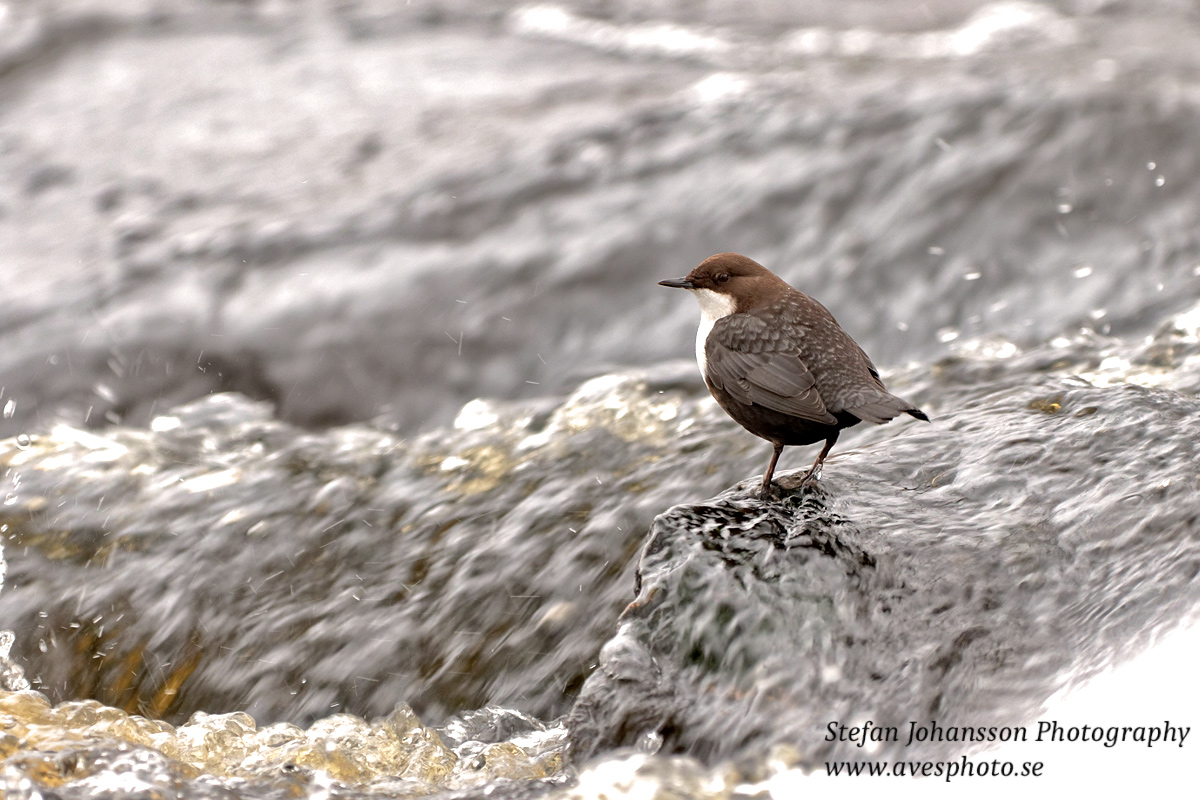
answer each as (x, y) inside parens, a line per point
(757, 365)
(870, 366)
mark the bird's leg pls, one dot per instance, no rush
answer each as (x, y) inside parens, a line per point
(765, 493)
(815, 469)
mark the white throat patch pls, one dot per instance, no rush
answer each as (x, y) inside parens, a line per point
(713, 306)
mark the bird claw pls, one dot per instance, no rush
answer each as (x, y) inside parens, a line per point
(770, 493)
(810, 477)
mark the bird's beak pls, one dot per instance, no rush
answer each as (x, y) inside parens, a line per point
(677, 283)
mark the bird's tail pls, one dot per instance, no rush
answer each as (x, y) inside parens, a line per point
(883, 407)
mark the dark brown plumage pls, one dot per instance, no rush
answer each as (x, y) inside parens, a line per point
(777, 361)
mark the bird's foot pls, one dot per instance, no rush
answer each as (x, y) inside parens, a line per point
(791, 484)
(812, 476)
(770, 492)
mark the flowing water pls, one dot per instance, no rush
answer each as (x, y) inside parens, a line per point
(339, 388)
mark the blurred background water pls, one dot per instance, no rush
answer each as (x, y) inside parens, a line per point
(359, 216)
(368, 209)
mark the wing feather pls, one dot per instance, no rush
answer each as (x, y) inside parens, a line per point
(756, 366)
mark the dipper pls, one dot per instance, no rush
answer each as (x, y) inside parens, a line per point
(777, 361)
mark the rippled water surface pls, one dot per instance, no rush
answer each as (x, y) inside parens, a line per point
(353, 450)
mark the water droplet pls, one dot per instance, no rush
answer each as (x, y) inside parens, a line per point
(23, 441)
(10, 499)
(972, 276)
(1150, 165)
(1065, 208)
(936, 251)
(1083, 270)
(1160, 180)
(650, 742)
(10, 408)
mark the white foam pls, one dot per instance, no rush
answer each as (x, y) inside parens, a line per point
(655, 38)
(996, 26)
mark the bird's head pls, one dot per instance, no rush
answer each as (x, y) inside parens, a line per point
(728, 283)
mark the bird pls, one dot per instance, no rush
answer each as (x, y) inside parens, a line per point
(778, 363)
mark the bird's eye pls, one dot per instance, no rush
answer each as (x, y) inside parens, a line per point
(723, 277)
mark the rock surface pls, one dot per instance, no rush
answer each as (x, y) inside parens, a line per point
(1045, 528)
(223, 560)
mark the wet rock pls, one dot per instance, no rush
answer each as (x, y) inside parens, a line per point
(958, 576)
